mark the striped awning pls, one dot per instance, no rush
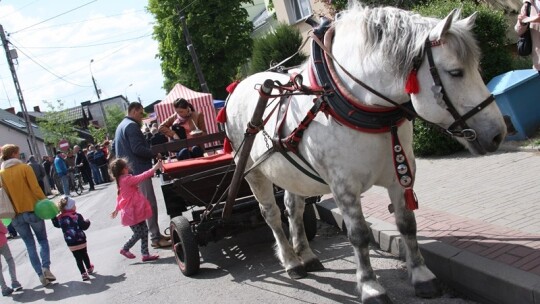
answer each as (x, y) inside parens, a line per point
(203, 102)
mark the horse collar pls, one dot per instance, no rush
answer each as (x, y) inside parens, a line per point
(342, 105)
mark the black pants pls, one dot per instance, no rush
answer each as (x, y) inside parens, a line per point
(87, 176)
(82, 259)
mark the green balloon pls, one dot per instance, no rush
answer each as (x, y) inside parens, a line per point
(6, 222)
(46, 209)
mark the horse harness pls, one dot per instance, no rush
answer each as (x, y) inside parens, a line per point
(332, 99)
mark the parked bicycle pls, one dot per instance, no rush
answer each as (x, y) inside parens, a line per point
(78, 182)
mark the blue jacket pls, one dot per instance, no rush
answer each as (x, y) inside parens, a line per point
(72, 224)
(129, 142)
(60, 166)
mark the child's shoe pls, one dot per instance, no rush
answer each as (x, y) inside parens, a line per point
(85, 277)
(6, 291)
(16, 286)
(90, 269)
(147, 258)
(127, 254)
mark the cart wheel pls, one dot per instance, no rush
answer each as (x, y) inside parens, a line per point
(185, 248)
(310, 221)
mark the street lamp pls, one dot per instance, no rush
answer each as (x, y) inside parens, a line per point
(99, 98)
(125, 91)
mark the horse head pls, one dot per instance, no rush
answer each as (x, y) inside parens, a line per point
(451, 91)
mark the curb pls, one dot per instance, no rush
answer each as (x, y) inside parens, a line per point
(477, 277)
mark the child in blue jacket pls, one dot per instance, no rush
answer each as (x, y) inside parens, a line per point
(73, 225)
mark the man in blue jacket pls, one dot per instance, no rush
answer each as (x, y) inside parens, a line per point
(62, 171)
(130, 143)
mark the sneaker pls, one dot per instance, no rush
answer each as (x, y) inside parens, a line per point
(127, 254)
(85, 277)
(147, 258)
(6, 291)
(48, 274)
(16, 286)
(44, 280)
(90, 269)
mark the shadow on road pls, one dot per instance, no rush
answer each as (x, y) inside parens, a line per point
(61, 291)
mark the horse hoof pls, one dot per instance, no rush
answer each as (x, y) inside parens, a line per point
(380, 299)
(314, 265)
(297, 272)
(428, 289)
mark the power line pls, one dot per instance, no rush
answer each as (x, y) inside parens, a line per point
(49, 71)
(71, 10)
(87, 45)
(19, 9)
(85, 20)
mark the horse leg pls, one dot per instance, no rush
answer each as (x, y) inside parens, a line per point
(424, 281)
(263, 190)
(295, 205)
(370, 289)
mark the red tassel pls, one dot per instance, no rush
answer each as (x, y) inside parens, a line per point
(221, 116)
(227, 147)
(230, 88)
(411, 86)
(410, 199)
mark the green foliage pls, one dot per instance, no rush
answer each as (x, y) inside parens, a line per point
(98, 134)
(220, 32)
(490, 29)
(275, 47)
(114, 117)
(428, 141)
(56, 125)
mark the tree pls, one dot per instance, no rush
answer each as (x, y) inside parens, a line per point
(275, 47)
(114, 117)
(220, 32)
(56, 125)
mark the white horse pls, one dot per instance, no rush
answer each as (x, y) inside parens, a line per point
(380, 47)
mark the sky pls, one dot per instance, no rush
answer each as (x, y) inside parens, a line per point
(55, 41)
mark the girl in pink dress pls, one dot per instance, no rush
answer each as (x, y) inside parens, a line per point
(133, 206)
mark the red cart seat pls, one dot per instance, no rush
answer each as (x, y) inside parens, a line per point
(194, 165)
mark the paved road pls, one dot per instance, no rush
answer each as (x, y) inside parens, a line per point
(237, 270)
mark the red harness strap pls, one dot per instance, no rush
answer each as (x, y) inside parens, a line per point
(292, 141)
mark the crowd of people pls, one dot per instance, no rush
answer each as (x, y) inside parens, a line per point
(133, 166)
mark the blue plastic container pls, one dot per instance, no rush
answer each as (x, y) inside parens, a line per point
(218, 104)
(518, 95)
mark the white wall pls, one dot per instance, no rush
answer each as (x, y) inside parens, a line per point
(10, 136)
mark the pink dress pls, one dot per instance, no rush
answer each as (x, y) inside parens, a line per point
(131, 203)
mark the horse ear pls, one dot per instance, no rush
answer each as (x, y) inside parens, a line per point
(469, 21)
(442, 27)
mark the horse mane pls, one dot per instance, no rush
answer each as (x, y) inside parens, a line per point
(396, 36)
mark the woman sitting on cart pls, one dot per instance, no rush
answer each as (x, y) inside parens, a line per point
(186, 123)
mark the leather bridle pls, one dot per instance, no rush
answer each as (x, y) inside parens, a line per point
(459, 120)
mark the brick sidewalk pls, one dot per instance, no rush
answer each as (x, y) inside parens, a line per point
(478, 223)
(487, 205)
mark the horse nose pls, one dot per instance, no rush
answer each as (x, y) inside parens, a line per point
(495, 143)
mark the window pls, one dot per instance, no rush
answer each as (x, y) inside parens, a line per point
(300, 9)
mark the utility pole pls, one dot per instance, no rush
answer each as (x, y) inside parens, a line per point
(99, 98)
(34, 149)
(191, 49)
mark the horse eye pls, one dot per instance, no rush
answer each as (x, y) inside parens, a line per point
(456, 73)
